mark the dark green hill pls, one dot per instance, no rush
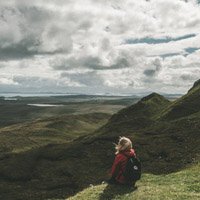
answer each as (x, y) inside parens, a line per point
(184, 106)
(137, 116)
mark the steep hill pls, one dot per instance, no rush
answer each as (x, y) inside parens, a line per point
(184, 106)
(137, 116)
(164, 142)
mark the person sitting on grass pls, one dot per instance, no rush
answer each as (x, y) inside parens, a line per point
(124, 151)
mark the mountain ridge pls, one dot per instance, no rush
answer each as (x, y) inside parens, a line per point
(186, 105)
(138, 115)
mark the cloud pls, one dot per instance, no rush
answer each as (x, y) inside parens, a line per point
(155, 67)
(30, 84)
(89, 62)
(27, 30)
(88, 79)
(7, 81)
(119, 46)
(169, 55)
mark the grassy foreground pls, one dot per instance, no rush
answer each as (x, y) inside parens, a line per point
(180, 185)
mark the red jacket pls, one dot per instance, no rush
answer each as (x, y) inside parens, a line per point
(119, 165)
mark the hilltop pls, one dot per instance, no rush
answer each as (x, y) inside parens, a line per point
(137, 116)
(165, 135)
(184, 106)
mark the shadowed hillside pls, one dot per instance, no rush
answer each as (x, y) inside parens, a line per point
(136, 117)
(165, 136)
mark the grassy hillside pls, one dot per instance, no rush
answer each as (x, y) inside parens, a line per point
(161, 131)
(180, 185)
(60, 129)
(136, 117)
(164, 143)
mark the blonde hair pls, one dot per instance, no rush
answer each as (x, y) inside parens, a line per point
(123, 145)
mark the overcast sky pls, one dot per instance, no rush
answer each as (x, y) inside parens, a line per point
(99, 46)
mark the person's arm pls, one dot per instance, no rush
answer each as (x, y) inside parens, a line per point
(116, 166)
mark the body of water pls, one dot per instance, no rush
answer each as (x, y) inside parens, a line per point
(7, 95)
(44, 105)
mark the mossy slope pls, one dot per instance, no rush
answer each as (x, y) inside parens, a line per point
(60, 129)
(184, 106)
(181, 185)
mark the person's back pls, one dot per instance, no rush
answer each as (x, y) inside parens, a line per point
(124, 151)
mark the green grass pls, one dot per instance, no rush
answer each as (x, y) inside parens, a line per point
(58, 129)
(181, 185)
